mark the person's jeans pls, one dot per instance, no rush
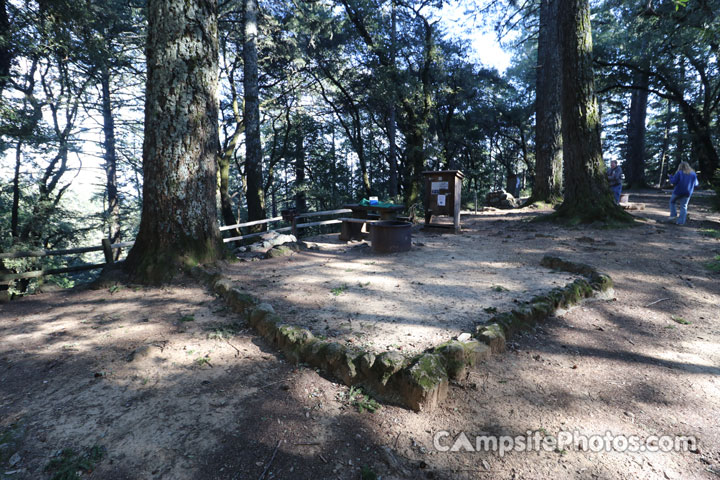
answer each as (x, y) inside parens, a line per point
(616, 190)
(682, 203)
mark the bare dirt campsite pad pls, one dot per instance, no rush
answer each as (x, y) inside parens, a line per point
(405, 301)
(165, 383)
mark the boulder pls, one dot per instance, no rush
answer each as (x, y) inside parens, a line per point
(270, 240)
(501, 199)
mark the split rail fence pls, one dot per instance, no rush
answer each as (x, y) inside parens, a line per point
(107, 248)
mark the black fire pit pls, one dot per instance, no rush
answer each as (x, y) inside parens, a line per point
(390, 236)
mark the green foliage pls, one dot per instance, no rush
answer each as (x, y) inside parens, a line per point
(367, 473)
(69, 463)
(711, 232)
(360, 400)
(679, 320)
(714, 265)
(337, 291)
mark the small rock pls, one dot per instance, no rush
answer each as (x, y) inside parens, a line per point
(14, 460)
(141, 352)
(486, 465)
(464, 337)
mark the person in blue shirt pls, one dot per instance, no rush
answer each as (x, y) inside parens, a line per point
(615, 180)
(685, 180)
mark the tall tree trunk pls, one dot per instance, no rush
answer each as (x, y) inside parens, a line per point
(6, 52)
(587, 195)
(635, 157)
(701, 139)
(417, 120)
(226, 207)
(179, 215)
(16, 193)
(414, 163)
(392, 122)
(665, 144)
(548, 145)
(253, 147)
(300, 194)
(224, 157)
(680, 136)
(109, 154)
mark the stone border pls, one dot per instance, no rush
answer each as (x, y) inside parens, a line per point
(419, 382)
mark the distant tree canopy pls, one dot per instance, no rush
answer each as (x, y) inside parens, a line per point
(330, 101)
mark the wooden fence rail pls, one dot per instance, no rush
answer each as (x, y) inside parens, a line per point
(107, 248)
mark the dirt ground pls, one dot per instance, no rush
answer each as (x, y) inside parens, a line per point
(406, 301)
(169, 385)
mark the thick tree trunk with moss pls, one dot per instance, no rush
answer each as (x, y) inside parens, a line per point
(179, 224)
(634, 167)
(548, 142)
(253, 147)
(587, 196)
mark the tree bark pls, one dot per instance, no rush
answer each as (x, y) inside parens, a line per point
(701, 140)
(253, 147)
(14, 221)
(6, 53)
(392, 121)
(665, 144)
(548, 145)
(226, 207)
(416, 123)
(587, 196)
(113, 207)
(635, 156)
(300, 194)
(179, 215)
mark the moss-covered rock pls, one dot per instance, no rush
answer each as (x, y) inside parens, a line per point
(239, 301)
(346, 367)
(600, 281)
(425, 383)
(386, 364)
(292, 341)
(282, 250)
(542, 308)
(365, 363)
(493, 336)
(454, 358)
(314, 353)
(267, 326)
(557, 263)
(259, 312)
(205, 274)
(222, 286)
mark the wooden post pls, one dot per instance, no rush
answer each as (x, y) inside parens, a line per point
(294, 226)
(107, 250)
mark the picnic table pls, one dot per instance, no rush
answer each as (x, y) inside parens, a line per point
(355, 228)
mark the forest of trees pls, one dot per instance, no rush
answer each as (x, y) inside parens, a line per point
(230, 111)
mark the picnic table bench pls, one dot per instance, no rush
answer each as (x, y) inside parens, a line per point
(355, 227)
